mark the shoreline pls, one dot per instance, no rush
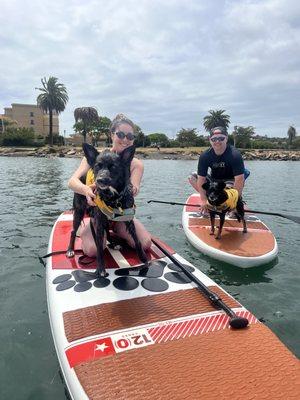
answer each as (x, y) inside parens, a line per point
(189, 153)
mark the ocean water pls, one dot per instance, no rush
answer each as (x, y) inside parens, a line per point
(33, 192)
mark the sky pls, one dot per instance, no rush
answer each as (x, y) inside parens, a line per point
(163, 63)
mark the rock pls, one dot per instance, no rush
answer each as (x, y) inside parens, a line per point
(71, 152)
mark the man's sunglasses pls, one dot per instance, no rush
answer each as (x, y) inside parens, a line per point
(217, 139)
(122, 135)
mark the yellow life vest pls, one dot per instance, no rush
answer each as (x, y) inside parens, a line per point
(230, 203)
(113, 214)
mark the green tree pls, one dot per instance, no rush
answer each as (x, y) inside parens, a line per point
(242, 136)
(54, 97)
(159, 139)
(17, 137)
(187, 137)
(291, 133)
(101, 128)
(88, 116)
(216, 118)
(141, 139)
(296, 143)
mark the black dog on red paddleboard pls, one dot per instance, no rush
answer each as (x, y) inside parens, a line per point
(115, 202)
(221, 200)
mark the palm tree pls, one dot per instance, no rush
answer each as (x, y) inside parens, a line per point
(216, 118)
(291, 133)
(87, 116)
(54, 97)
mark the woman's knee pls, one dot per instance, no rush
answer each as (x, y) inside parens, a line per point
(146, 242)
(88, 243)
(143, 236)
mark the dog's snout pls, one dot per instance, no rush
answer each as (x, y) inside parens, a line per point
(102, 180)
(212, 197)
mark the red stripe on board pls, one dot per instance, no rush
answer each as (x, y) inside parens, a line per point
(60, 242)
(194, 199)
(153, 253)
(90, 351)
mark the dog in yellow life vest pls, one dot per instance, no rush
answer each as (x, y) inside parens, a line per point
(110, 172)
(221, 200)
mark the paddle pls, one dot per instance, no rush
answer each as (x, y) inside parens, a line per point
(235, 321)
(290, 217)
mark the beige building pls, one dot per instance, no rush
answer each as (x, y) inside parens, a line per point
(29, 116)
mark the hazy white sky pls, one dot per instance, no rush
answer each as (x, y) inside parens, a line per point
(164, 63)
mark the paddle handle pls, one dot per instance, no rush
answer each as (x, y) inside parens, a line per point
(235, 321)
(293, 218)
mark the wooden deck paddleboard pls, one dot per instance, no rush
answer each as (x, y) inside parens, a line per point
(154, 335)
(256, 247)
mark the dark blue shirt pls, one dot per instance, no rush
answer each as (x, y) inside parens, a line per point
(224, 167)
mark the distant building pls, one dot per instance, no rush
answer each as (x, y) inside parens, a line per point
(29, 116)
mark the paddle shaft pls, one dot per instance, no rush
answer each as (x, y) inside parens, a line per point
(217, 302)
(290, 217)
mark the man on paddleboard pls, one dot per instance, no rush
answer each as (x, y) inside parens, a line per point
(225, 163)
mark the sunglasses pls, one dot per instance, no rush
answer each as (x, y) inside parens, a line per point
(122, 135)
(217, 139)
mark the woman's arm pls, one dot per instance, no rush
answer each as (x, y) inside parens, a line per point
(77, 186)
(136, 174)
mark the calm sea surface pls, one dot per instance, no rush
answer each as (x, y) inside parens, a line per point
(33, 192)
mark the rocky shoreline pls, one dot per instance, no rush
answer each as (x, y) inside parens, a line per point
(148, 153)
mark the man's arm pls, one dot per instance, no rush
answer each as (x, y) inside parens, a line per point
(239, 181)
(200, 181)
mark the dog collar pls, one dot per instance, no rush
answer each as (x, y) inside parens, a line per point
(113, 214)
(230, 203)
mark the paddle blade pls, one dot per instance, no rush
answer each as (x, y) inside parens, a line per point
(238, 322)
(292, 218)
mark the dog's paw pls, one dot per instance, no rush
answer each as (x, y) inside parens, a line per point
(101, 273)
(70, 253)
(115, 246)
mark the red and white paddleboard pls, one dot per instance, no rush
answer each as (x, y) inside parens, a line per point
(153, 335)
(256, 247)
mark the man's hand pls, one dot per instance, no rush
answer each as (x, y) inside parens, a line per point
(203, 206)
(193, 181)
(90, 194)
(135, 190)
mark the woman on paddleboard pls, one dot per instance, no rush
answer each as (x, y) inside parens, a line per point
(122, 134)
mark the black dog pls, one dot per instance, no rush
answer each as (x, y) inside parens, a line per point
(111, 173)
(220, 201)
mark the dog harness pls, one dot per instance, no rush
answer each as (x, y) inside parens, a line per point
(113, 214)
(230, 203)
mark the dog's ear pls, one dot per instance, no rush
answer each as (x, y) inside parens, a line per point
(127, 154)
(90, 153)
(205, 186)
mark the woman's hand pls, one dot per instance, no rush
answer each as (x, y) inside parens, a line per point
(90, 194)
